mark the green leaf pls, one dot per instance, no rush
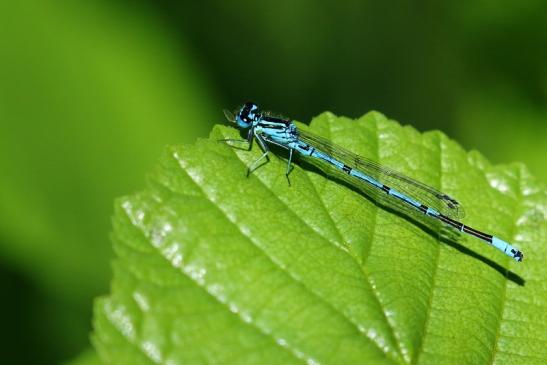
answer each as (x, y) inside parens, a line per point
(213, 267)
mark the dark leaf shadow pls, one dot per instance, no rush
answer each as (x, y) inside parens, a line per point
(444, 235)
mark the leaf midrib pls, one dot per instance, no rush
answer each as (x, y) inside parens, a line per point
(361, 265)
(226, 215)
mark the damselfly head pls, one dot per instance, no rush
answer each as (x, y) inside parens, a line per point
(248, 114)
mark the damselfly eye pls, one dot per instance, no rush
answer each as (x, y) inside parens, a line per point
(247, 115)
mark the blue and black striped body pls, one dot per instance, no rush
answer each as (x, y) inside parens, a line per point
(284, 133)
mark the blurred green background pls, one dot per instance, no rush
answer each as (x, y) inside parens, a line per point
(90, 92)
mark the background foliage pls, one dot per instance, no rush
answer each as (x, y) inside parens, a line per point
(90, 92)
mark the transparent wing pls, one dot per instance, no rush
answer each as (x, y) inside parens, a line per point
(421, 192)
(229, 115)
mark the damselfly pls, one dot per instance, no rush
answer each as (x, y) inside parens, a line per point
(360, 171)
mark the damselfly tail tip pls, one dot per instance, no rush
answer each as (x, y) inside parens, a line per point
(518, 256)
(507, 248)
